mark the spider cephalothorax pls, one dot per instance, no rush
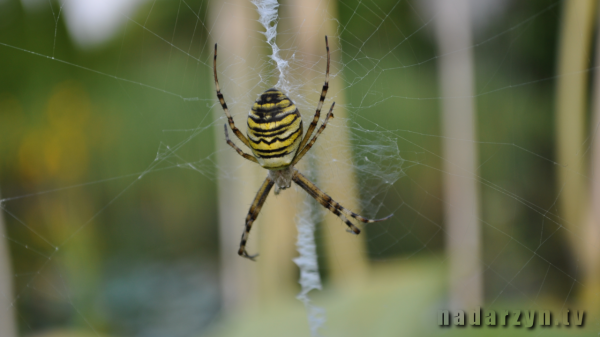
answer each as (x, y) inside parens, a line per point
(275, 138)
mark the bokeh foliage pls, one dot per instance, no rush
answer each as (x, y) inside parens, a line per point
(62, 124)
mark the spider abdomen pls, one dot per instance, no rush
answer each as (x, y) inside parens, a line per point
(274, 129)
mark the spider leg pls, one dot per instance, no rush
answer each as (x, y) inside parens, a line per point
(314, 139)
(313, 124)
(239, 151)
(331, 204)
(237, 132)
(255, 208)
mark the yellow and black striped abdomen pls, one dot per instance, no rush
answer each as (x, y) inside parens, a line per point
(274, 129)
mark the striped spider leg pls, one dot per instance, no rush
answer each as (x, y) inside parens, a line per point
(315, 120)
(221, 98)
(332, 205)
(255, 208)
(275, 139)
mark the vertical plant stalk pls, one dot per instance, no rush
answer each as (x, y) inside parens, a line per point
(461, 191)
(571, 99)
(591, 257)
(308, 217)
(8, 326)
(345, 254)
(277, 274)
(231, 21)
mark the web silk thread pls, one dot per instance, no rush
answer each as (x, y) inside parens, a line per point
(305, 244)
(267, 10)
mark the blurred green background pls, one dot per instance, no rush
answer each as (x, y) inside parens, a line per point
(113, 234)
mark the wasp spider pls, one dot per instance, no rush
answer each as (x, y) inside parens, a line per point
(275, 138)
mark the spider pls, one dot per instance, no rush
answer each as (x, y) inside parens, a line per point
(275, 138)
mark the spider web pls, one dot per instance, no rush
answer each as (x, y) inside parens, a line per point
(109, 167)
